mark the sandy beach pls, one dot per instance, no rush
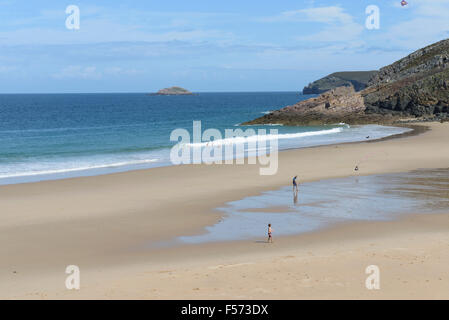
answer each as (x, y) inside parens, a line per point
(108, 225)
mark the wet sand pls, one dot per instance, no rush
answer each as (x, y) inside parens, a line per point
(107, 224)
(322, 204)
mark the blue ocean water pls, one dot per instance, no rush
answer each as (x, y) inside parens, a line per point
(51, 136)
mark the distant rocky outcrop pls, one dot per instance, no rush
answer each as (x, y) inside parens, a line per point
(173, 91)
(415, 87)
(357, 79)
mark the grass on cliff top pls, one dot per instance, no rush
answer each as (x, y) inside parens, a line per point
(360, 76)
(441, 47)
(351, 76)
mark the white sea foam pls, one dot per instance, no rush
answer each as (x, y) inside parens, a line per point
(83, 168)
(268, 137)
(56, 168)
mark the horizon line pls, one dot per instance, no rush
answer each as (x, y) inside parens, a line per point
(144, 92)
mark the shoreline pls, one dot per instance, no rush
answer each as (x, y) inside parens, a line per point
(85, 173)
(102, 223)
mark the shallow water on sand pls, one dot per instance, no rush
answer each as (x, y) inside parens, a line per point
(324, 203)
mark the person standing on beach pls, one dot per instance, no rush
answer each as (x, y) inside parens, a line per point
(270, 238)
(295, 185)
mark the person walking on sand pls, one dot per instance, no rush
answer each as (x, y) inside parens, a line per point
(270, 238)
(295, 185)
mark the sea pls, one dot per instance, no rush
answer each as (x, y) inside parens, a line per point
(57, 136)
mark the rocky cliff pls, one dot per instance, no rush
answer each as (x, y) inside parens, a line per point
(415, 87)
(357, 79)
(342, 104)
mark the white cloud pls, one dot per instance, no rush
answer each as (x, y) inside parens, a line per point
(118, 71)
(340, 33)
(328, 15)
(338, 25)
(106, 24)
(93, 72)
(78, 72)
(429, 24)
(96, 31)
(6, 69)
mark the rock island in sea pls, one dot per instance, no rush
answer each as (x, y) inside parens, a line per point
(173, 91)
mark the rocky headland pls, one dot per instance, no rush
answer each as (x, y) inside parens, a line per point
(357, 79)
(415, 88)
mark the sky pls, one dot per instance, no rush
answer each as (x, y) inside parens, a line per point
(204, 45)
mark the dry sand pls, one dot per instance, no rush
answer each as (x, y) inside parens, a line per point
(107, 224)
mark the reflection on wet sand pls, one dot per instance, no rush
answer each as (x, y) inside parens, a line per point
(273, 209)
(323, 203)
